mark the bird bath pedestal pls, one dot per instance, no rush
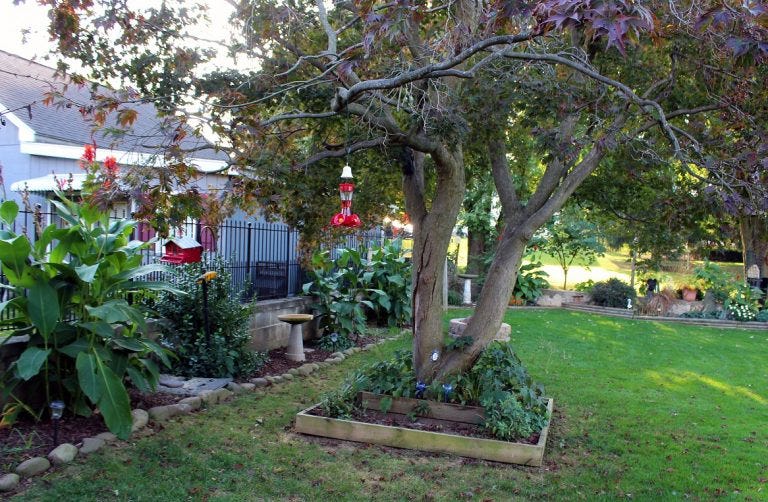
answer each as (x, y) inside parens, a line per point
(295, 351)
(467, 287)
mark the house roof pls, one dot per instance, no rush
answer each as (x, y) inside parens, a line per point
(23, 84)
(51, 182)
(184, 242)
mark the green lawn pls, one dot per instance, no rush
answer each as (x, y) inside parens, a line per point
(648, 411)
(617, 264)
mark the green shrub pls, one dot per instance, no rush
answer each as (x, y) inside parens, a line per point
(762, 316)
(226, 353)
(612, 293)
(743, 302)
(338, 293)
(701, 315)
(351, 290)
(390, 272)
(506, 418)
(530, 282)
(334, 342)
(715, 281)
(69, 296)
(585, 287)
(455, 298)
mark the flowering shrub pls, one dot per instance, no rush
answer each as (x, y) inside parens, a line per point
(101, 181)
(743, 303)
(740, 312)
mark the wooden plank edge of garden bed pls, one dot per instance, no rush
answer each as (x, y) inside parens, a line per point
(441, 411)
(400, 437)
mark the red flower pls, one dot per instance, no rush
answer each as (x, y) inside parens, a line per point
(110, 163)
(90, 153)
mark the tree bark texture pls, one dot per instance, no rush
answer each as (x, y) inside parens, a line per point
(433, 227)
(754, 242)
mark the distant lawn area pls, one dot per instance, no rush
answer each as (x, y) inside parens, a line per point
(617, 264)
(643, 411)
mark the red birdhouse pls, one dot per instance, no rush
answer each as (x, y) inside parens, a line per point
(179, 250)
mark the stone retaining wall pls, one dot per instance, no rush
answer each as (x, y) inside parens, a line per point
(556, 297)
(268, 332)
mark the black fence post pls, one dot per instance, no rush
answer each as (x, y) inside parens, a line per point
(248, 251)
(287, 258)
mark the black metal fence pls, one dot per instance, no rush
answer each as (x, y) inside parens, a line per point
(262, 257)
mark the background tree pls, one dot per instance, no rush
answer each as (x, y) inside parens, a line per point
(569, 237)
(654, 208)
(402, 74)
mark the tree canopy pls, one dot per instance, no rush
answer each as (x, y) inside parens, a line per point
(419, 83)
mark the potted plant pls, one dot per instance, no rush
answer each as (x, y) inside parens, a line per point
(688, 292)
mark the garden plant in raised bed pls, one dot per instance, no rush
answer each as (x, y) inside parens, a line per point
(223, 352)
(69, 296)
(515, 408)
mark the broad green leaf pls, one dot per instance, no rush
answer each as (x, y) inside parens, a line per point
(14, 254)
(139, 271)
(13, 302)
(75, 348)
(146, 285)
(119, 364)
(111, 312)
(65, 210)
(8, 211)
(43, 307)
(384, 302)
(114, 403)
(90, 383)
(128, 343)
(30, 361)
(138, 379)
(101, 328)
(87, 273)
(156, 349)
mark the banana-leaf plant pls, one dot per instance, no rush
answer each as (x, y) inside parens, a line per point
(69, 292)
(339, 293)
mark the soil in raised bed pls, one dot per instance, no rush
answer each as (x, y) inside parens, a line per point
(377, 417)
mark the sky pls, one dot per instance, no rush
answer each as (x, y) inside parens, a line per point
(36, 43)
(18, 17)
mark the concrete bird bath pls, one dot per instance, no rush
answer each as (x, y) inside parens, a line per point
(295, 351)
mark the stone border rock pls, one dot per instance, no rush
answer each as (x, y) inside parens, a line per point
(65, 453)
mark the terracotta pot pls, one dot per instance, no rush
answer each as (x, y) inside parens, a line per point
(689, 295)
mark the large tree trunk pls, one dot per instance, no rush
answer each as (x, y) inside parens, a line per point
(475, 251)
(433, 227)
(754, 242)
(557, 184)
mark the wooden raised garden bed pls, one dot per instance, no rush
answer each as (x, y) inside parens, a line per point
(401, 437)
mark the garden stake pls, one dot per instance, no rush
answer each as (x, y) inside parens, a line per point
(204, 280)
(57, 409)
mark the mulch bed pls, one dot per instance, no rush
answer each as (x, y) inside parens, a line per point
(27, 438)
(279, 364)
